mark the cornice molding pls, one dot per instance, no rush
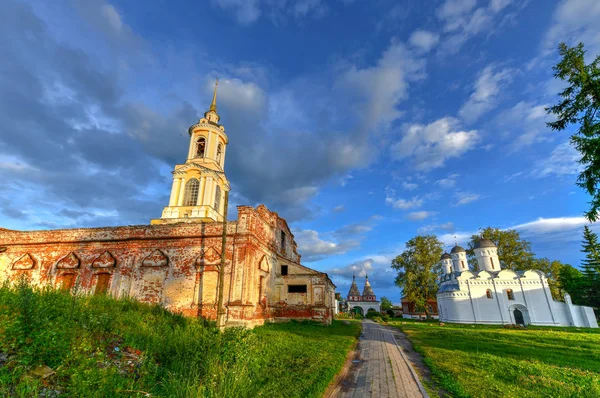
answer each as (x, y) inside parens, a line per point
(217, 129)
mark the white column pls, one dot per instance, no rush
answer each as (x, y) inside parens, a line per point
(192, 146)
(208, 152)
(208, 190)
(181, 192)
(200, 191)
(223, 157)
(174, 189)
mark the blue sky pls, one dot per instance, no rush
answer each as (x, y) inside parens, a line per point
(361, 123)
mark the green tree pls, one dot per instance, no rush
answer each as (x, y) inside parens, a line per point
(552, 270)
(571, 281)
(591, 267)
(513, 251)
(386, 303)
(418, 267)
(579, 105)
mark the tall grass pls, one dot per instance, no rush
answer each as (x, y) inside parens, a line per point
(101, 347)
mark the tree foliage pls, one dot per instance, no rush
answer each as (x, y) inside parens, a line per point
(418, 267)
(570, 280)
(386, 303)
(552, 270)
(590, 284)
(513, 251)
(579, 105)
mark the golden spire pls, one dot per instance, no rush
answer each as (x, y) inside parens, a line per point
(213, 106)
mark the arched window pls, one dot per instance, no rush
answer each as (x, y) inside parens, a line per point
(191, 192)
(218, 198)
(488, 293)
(492, 261)
(462, 263)
(200, 147)
(219, 153)
(510, 294)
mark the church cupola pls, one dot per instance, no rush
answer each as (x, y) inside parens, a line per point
(446, 263)
(199, 185)
(354, 293)
(368, 294)
(486, 254)
(459, 259)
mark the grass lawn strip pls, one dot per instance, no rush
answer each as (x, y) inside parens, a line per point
(490, 361)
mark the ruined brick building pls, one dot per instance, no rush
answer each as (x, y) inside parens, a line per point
(175, 260)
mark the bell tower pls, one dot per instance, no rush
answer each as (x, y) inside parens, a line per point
(199, 185)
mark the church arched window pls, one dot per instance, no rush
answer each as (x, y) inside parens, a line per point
(510, 294)
(218, 198)
(488, 293)
(219, 153)
(200, 147)
(191, 192)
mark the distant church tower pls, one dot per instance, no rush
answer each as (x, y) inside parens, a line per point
(197, 193)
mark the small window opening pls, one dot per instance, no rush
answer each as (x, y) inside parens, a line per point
(284, 270)
(462, 263)
(296, 288)
(510, 294)
(219, 153)
(282, 241)
(200, 147)
(492, 261)
(67, 281)
(218, 199)
(102, 283)
(190, 196)
(488, 293)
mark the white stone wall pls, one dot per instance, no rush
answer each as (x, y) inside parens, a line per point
(530, 294)
(365, 305)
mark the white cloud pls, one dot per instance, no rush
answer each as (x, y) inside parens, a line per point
(427, 229)
(462, 238)
(452, 9)
(403, 204)
(424, 40)
(548, 225)
(564, 160)
(246, 11)
(487, 87)
(313, 248)
(383, 86)
(462, 198)
(344, 180)
(526, 119)
(575, 21)
(249, 11)
(409, 186)
(419, 215)
(449, 182)
(338, 209)
(463, 20)
(429, 146)
(512, 176)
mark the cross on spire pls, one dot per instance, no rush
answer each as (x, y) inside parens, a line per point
(213, 105)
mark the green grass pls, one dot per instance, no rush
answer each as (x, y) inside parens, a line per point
(490, 361)
(103, 347)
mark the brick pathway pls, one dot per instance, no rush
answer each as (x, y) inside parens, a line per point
(380, 368)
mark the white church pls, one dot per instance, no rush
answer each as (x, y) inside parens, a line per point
(501, 296)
